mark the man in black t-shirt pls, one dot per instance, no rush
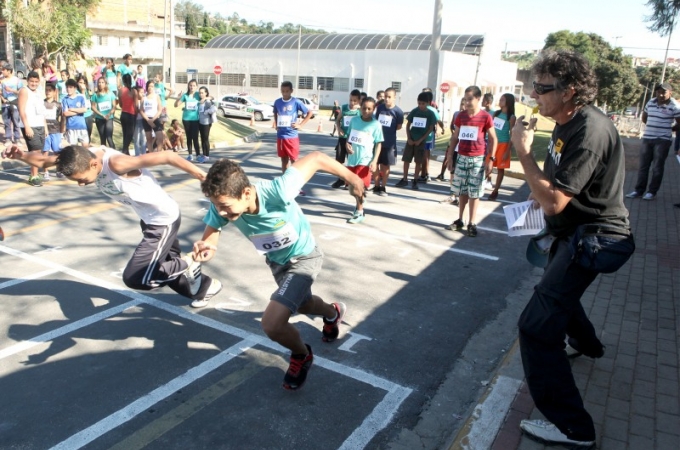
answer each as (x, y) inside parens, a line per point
(580, 190)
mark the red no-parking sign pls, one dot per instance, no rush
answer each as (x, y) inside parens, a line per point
(217, 70)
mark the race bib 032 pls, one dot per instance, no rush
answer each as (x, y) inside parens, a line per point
(282, 238)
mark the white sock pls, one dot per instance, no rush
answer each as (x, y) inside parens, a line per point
(334, 317)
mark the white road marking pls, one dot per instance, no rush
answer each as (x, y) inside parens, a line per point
(34, 276)
(73, 326)
(235, 304)
(379, 418)
(352, 339)
(490, 412)
(140, 405)
(49, 250)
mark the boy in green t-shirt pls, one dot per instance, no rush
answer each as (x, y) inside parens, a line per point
(267, 214)
(347, 113)
(364, 141)
(421, 122)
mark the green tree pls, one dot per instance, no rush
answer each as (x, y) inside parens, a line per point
(665, 13)
(523, 60)
(618, 83)
(190, 25)
(206, 19)
(51, 27)
(207, 33)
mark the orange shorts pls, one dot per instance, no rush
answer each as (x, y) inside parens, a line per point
(288, 148)
(503, 155)
(363, 172)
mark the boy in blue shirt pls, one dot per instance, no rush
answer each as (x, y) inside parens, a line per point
(286, 111)
(73, 108)
(364, 140)
(267, 214)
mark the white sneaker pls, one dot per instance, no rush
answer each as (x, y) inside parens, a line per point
(46, 176)
(450, 199)
(193, 273)
(634, 194)
(488, 185)
(649, 196)
(548, 433)
(206, 159)
(215, 287)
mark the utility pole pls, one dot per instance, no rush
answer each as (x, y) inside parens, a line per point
(297, 71)
(172, 46)
(433, 73)
(665, 58)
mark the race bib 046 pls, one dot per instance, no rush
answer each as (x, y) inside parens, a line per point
(468, 133)
(419, 122)
(277, 240)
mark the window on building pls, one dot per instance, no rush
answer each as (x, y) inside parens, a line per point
(101, 40)
(264, 81)
(325, 83)
(123, 41)
(181, 78)
(232, 79)
(142, 40)
(206, 78)
(333, 84)
(341, 84)
(358, 83)
(396, 85)
(306, 83)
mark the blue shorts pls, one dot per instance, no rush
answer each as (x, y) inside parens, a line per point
(53, 143)
(429, 146)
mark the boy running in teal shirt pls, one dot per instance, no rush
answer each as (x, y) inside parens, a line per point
(364, 140)
(267, 214)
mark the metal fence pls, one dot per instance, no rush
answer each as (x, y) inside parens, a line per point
(630, 126)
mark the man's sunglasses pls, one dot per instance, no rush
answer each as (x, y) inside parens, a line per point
(543, 88)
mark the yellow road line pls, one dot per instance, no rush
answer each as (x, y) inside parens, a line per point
(146, 435)
(92, 210)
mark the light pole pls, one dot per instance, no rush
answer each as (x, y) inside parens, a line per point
(616, 40)
(665, 58)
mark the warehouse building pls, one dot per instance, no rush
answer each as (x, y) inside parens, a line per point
(326, 67)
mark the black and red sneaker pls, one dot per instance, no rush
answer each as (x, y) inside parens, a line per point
(297, 370)
(331, 328)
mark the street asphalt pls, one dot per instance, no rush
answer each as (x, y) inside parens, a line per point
(87, 363)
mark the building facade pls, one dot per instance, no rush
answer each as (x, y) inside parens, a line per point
(328, 66)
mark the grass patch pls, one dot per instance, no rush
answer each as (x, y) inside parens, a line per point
(224, 130)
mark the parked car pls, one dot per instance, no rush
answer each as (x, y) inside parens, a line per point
(240, 105)
(310, 104)
(20, 68)
(631, 111)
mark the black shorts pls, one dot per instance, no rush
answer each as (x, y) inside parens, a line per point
(37, 142)
(157, 125)
(388, 155)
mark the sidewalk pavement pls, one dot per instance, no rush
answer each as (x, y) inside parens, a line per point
(632, 392)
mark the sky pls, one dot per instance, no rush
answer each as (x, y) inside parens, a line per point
(519, 24)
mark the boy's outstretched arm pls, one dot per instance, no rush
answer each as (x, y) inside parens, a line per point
(122, 164)
(36, 159)
(317, 161)
(205, 249)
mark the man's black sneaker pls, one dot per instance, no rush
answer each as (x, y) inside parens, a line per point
(402, 182)
(574, 350)
(375, 189)
(331, 328)
(338, 184)
(383, 191)
(472, 230)
(297, 370)
(456, 225)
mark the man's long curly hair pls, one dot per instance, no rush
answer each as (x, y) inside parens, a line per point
(570, 69)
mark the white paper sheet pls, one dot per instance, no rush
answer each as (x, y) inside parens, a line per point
(523, 219)
(678, 156)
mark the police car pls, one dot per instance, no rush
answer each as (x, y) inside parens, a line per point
(240, 105)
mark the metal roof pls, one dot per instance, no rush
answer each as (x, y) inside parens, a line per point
(459, 43)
